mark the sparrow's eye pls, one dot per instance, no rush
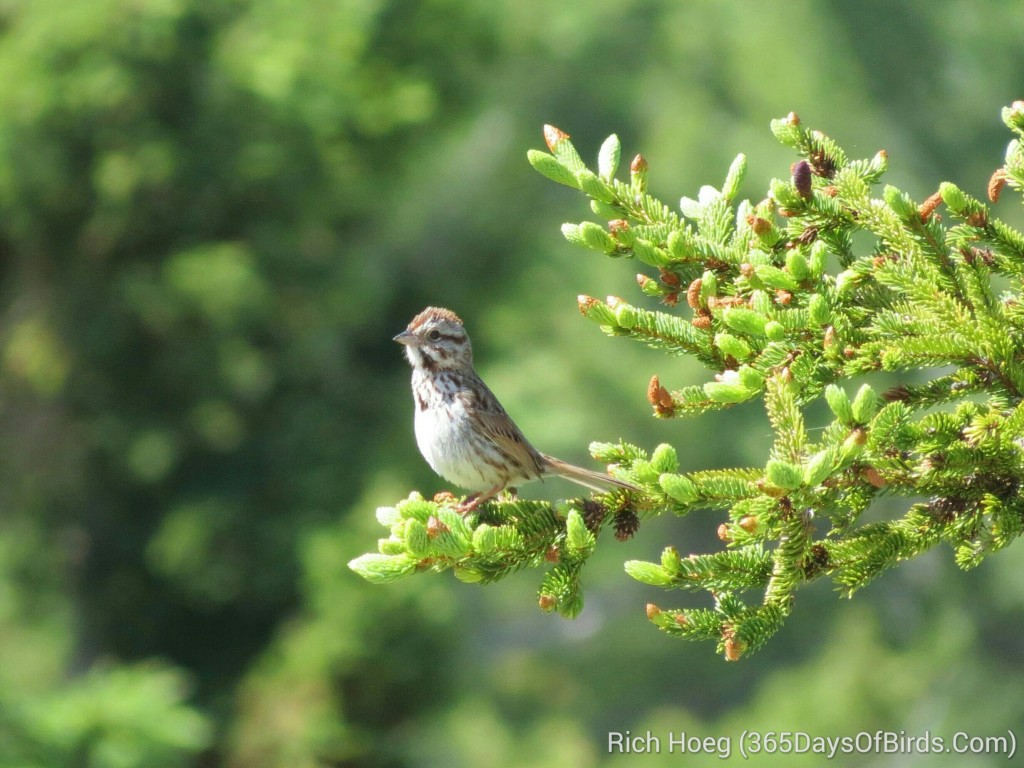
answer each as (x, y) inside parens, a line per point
(434, 335)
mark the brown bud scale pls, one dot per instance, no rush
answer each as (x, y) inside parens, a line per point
(435, 527)
(659, 397)
(552, 136)
(734, 648)
(585, 302)
(995, 185)
(927, 208)
(874, 477)
(693, 293)
(759, 225)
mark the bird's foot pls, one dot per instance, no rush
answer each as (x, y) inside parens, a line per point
(472, 502)
(476, 499)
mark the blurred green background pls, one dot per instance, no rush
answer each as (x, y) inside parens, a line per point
(213, 218)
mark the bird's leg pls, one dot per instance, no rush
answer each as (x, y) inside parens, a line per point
(469, 504)
(474, 501)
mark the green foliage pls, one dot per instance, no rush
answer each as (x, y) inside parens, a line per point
(187, 464)
(185, 192)
(110, 718)
(771, 322)
(486, 546)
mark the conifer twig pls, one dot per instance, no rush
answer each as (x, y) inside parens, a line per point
(772, 320)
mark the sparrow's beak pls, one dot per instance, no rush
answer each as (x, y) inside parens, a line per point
(406, 338)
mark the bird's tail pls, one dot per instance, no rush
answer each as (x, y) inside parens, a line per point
(595, 481)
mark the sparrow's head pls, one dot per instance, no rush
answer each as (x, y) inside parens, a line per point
(436, 339)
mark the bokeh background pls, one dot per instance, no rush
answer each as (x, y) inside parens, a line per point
(214, 215)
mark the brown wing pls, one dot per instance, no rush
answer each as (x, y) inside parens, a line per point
(496, 425)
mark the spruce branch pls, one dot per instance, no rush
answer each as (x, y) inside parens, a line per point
(937, 303)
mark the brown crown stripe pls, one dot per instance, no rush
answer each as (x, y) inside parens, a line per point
(434, 312)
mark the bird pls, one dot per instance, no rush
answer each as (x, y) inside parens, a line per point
(461, 428)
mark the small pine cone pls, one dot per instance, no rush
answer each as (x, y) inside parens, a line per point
(996, 184)
(660, 398)
(734, 648)
(693, 294)
(626, 524)
(593, 515)
(758, 225)
(801, 171)
(701, 322)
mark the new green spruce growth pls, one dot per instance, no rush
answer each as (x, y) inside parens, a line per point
(773, 323)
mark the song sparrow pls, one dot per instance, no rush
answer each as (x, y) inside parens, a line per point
(461, 428)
